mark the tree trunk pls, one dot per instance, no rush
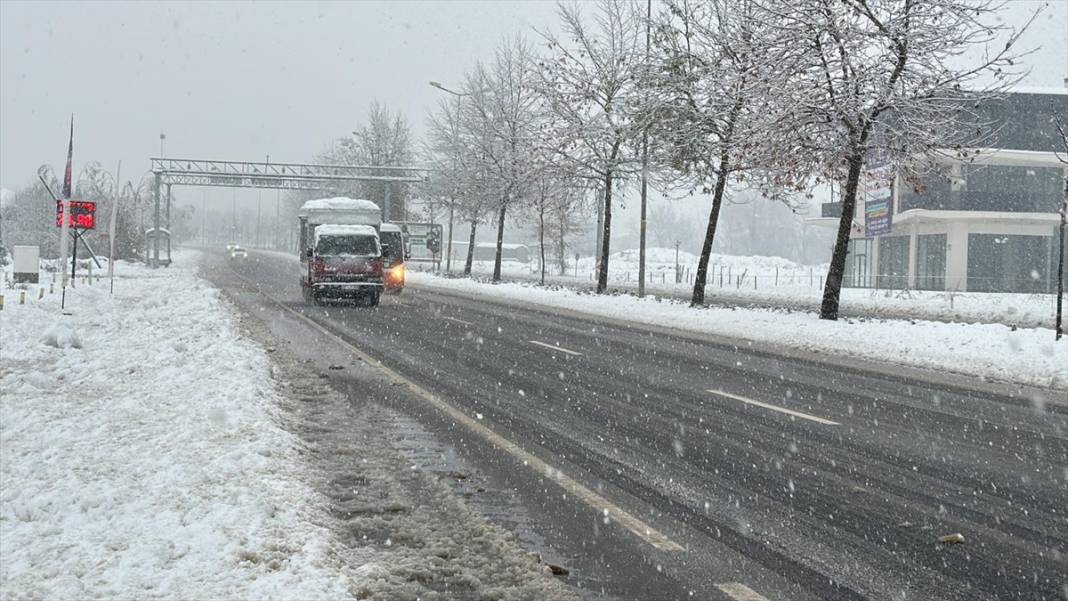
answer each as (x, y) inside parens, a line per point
(701, 276)
(606, 235)
(470, 249)
(832, 289)
(1060, 265)
(500, 242)
(541, 239)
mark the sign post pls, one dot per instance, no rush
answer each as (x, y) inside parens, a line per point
(81, 214)
(423, 239)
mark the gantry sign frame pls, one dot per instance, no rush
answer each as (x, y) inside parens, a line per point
(266, 175)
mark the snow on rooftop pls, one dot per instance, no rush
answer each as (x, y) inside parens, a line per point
(390, 227)
(333, 229)
(339, 203)
(1060, 91)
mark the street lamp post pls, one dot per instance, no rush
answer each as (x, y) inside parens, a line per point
(162, 137)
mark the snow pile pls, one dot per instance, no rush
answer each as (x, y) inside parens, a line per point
(142, 456)
(987, 351)
(779, 282)
(61, 335)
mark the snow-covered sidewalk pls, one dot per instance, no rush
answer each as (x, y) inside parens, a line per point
(142, 454)
(986, 351)
(777, 282)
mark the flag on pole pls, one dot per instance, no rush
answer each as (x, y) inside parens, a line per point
(111, 227)
(64, 226)
(70, 157)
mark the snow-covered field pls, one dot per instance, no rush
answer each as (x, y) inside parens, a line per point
(990, 351)
(780, 282)
(142, 452)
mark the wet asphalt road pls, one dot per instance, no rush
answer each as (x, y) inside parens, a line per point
(844, 498)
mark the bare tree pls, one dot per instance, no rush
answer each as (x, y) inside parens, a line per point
(459, 178)
(881, 78)
(714, 70)
(384, 139)
(1060, 230)
(591, 84)
(502, 106)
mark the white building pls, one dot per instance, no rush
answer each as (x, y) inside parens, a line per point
(986, 224)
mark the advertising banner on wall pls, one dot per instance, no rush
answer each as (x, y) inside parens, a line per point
(878, 200)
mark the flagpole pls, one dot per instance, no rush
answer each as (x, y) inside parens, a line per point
(65, 218)
(111, 228)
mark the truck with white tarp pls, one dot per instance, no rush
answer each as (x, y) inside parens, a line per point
(341, 254)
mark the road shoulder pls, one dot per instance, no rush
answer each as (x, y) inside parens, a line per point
(401, 532)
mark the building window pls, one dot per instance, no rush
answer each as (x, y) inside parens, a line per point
(893, 262)
(858, 264)
(999, 188)
(1003, 263)
(931, 262)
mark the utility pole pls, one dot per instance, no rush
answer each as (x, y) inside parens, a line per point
(168, 224)
(278, 221)
(387, 205)
(259, 208)
(154, 262)
(233, 217)
(645, 171)
(448, 255)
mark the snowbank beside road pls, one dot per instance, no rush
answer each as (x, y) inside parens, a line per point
(776, 281)
(142, 455)
(997, 352)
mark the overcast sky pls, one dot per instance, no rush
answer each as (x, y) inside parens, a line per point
(243, 80)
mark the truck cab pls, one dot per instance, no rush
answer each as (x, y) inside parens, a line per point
(394, 253)
(340, 250)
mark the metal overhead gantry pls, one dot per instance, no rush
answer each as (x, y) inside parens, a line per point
(276, 176)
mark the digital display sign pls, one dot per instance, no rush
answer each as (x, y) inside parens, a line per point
(82, 214)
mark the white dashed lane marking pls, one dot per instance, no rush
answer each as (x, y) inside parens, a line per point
(818, 420)
(740, 592)
(555, 348)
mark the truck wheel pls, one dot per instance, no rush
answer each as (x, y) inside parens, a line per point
(372, 299)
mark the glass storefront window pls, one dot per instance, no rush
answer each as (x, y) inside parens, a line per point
(931, 262)
(858, 264)
(1003, 263)
(893, 262)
